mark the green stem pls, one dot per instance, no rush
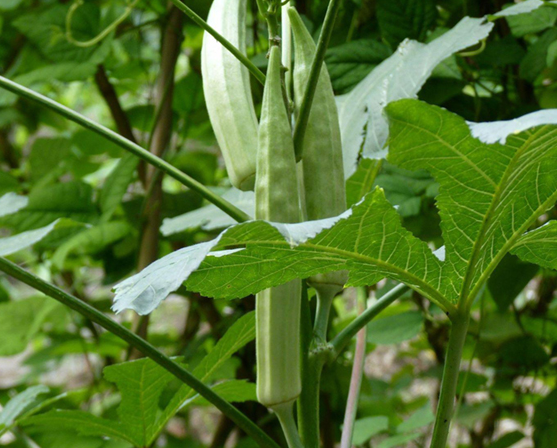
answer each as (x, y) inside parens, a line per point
(449, 382)
(325, 296)
(345, 336)
(308, 403)
(317, 63)
(258, 74)
(243, 422)
(285, 414)
(224, 205)
(95, 40)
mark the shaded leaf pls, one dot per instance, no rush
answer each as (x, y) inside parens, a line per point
(116, 185)
(539, 246)
(401, 19)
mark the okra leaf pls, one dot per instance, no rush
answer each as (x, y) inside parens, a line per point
(369, 241)
(238, 335)
(13, 244)
(141, 384)
(91, 240)
(83, 423)
(116, 185)
(498, 131)
(210, 217)
(520, 8)
(401, 19)
(539, 246)
(18, 405)
(21, 320)
(11, 203)
(489, 194)
(364, 128)
(73, 200)
(235, 391)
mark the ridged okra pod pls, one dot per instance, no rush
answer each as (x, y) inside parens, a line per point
(276, 198)
(323, 173)
(227, 90)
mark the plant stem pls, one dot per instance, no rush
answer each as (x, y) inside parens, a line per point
(224, 205)
(325, 296)
(308, 403)
(262, 439)
(449, 382)
(345, 336)
(285, 414)
(355, 379)
(317, 63)
(258, 74)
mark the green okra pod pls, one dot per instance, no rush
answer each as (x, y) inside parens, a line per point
(276, 198)
(227, 90)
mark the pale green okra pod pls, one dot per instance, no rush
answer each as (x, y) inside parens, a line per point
(276, 198)
(323, 172)
(227, 90)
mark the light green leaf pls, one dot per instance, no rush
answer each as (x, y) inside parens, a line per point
(499, 131)
(21, 320)
(489, 194)
(395, 329)
(237, 336)
(366, 428)
(361, 182)
(82, 423)
(373, 245)
(12, 244)
(91, 241)
(539, 246)
(11, 203)
(523, 7)
(235, 391)
(364, 128)
(399, 440)
(71, 200)
(116, 185)
(418, 419)
(18, 405)
(210, 217)
(141, 384)
(529, 17)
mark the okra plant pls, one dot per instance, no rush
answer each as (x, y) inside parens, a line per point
(332, 168)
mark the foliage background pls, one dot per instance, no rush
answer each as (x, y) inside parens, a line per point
(144, 81)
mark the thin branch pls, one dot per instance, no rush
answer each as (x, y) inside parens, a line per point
(158, 144)
(355, 379)
(108, 92)
(262, 439)
(345, 336)
(224, 205)
(316, 65)
(258, 74)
